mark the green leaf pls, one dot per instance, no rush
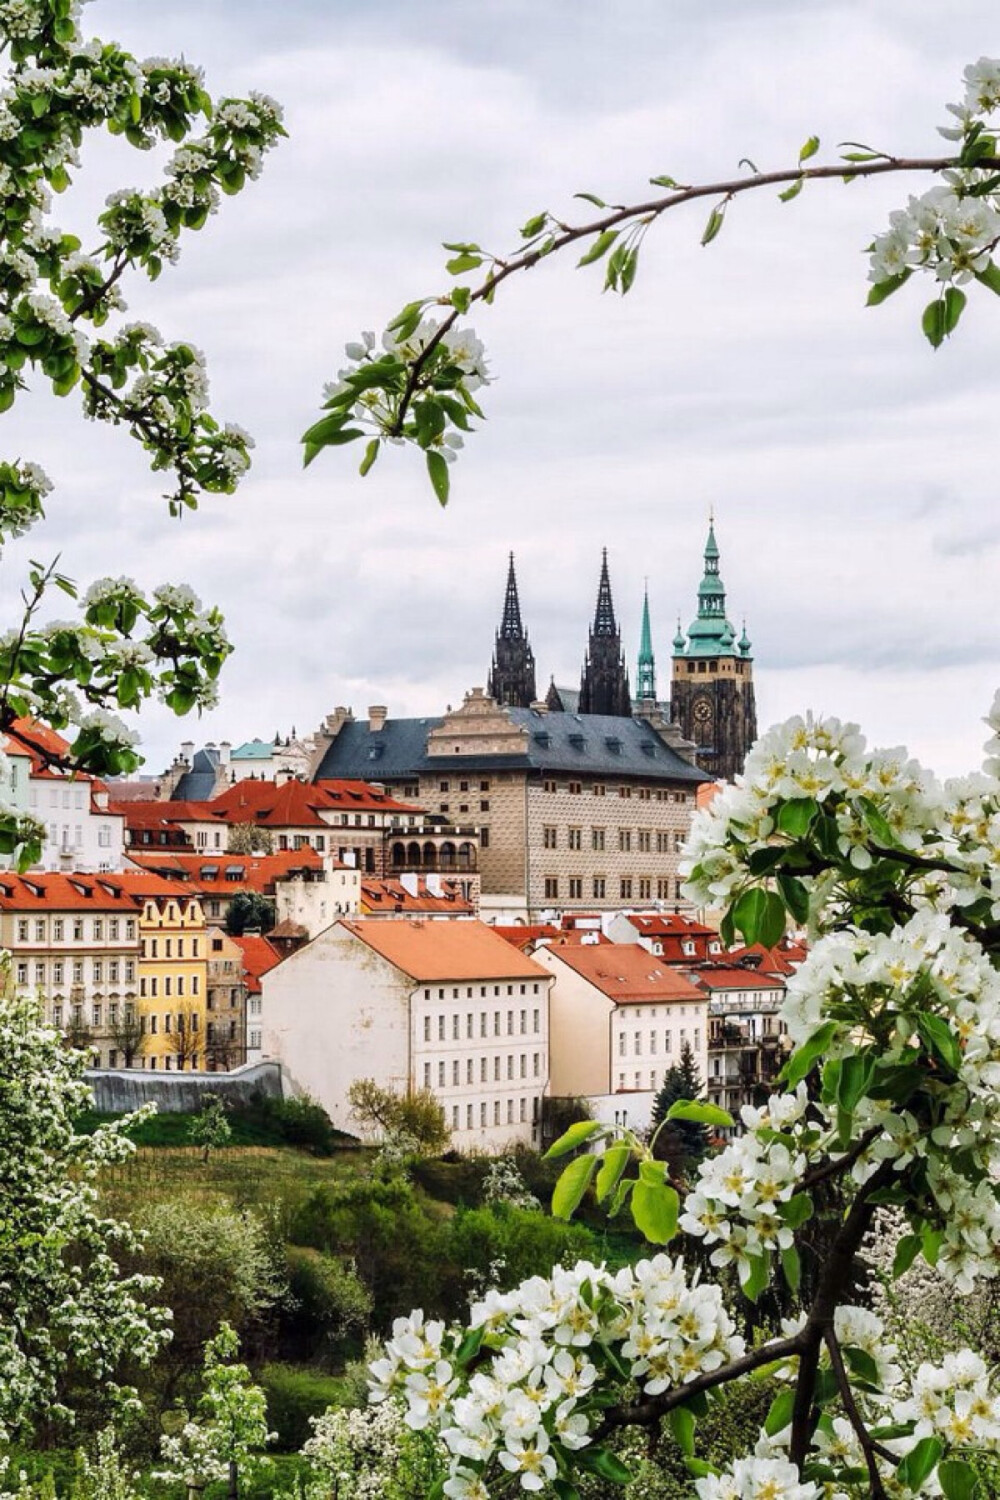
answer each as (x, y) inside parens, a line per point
(592, 198)
(795, 896)
(565, 1490)
(574, 1181)
(863, 1366)
(699, 1113)
(804, 1058)
(931, 1240)
(855, 1076)
(990, 277)
(600, 247)
(440, 478)
(612, 1167)
(883, 289)
(796, 816)
(534, 226)
(603, 1462)
(622, 1192)
(371, 454)
(793, 191)
(460, 263)
(682, 1427)
(920, 1462)
(461, 297)
(575, 1136)
(792, 1267)
(470, 1345)
(957, 1479)
(796, 1211)
(940, 1040)
(906, 1253)
(760, 916)
(664, 181)
(780, 1413)
(716, 219)
(932, 322)
(810, 148)
(954, 305)
(760, 1275)
(654, 1209)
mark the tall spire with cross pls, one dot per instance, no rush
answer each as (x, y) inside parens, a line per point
(512, 675)
(645, 681)
(604, 686)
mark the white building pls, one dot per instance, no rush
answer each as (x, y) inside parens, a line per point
(447, 1006)
(82, 833)
(618, 1021)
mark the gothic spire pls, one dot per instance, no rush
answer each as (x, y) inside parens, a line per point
(512, 675)
(645, 682)
(604, 686)
(710, 633)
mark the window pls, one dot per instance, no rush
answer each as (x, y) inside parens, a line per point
(597, 838)
(496, 1070)
(482, 1069)
(599, 885)
(626, 889)
(444, 786)
(22, 973)
(98, 971)
(455, 1029)
(114, 969)
(440, 1075)
(536, 1062)
(40, 932)
(645, 888)
(624, 840)
(644, 839)
(575, 888)
(496, 1111)
(510, 1064)
(550, 786)
(78, 971)
(551, 887)
(78, 930)
(22, 932)
(57, 930)
(454, 1117)
(129, 971)
(95, 1015)
(482, 1023)
(152, 1025)
(482, 1115)
(599, 789)
(469, 1073)
(575, 788)
(549, 837)
(522, 1107)
(454, 1073)
(536, 1020)
(510, 1111)
(468, 1117)
(574, 838)
(440, 1028)
(663, 890)
(98, 931)
(468, 1024)
(57, 971)
(652, 1042)
(39, 973)
(496, 1023)
(130, 928)
(638, 1044)
(621, 1044)
(484, 838)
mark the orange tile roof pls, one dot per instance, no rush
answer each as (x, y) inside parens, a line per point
(141, 815)
(392, 895)
(57, 892)
(783, 959)
(732, 977)
(258, 958)
(258, 872)
(524, 935)
(436, 951)
(289, 804)
(143, 884)
(31, 737)
(668, 924)
(627, 974)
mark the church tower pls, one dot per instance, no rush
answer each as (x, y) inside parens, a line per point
(512, 676)
(604, 685)
(645, 679)
(712, 694)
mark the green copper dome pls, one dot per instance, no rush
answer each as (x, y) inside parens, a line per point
(710, 633)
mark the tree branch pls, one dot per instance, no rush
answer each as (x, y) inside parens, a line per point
(868, 1447)
(834, 1166)
(651, 210)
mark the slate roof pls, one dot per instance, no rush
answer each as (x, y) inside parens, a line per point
(556, 742)
(198, 784)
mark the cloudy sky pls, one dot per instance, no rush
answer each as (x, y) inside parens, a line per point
(852, 470)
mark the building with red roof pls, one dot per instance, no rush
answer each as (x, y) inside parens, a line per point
(675, 938)
(83, 832)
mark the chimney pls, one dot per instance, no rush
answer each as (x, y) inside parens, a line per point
(334, 723)
(434, 885)
(225, 750)
(187, 751)
(410, 883)
(377, 715)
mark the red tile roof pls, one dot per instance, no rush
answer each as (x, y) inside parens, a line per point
(57, 892)
(144, 885)
(668, 924)
(212, 873)
(784, 959)
(258, 958)
(628, 975)
(733, 977)
(381, 896)
(445, 951)
(31, 737)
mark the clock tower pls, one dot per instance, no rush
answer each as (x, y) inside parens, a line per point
(712, 695)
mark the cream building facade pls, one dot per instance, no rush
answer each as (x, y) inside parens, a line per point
(447, 1006)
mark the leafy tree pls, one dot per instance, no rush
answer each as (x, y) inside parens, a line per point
(680, 1143)
(887, 1098)
(60, 323)
(417, 1117)
(249, 909)
(210, 1128)
(64, 1297)
(249, 838)
(420, 383)
(223, 1441)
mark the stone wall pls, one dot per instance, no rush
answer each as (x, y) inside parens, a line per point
(117, 1090)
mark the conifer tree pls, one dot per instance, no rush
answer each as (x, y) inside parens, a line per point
(679, 1142)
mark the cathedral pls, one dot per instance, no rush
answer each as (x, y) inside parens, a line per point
(712, 693)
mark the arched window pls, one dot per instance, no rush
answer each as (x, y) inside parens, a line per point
(447, 853)
(413, 855)
(398, 856)
(466, 857)
(430, 857)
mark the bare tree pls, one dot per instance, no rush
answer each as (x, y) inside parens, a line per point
(127, 1034)
(184, 1039)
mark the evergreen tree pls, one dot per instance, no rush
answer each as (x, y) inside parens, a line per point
(679, 1142)
(249, 910)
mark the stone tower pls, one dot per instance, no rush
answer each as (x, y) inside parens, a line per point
(712, 695)
(604, 685)
(645, 678)
(512, 676)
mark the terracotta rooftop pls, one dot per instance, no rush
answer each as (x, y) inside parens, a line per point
(57, 892)
(143, 884)
(258, 958)
(380, 896)
(668, 924)
(211, 873)
(725, 977)
(437, 951)
(627, 974)
(783, 959)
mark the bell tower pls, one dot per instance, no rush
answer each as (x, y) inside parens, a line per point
(712, 692)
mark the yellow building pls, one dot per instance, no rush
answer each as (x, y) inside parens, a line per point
(173, 973)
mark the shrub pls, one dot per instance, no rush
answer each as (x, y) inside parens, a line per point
(294, 1395)
(327, 1312)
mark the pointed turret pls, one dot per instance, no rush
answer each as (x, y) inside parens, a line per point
(512, 675)
(604, 686)
(645, 679)
(710, 633)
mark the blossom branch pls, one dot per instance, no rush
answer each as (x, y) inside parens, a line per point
(869, 1447)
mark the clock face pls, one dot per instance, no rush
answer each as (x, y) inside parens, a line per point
(702, 711)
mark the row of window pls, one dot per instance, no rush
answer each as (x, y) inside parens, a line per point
(653, 1042)
(463, 786)
(113, 1015)
(114, 971)
(63, 928)
(640, 1079)
(172, 985)
(483, 1025)
(60, 796)
(666, 840)
(483, 1070)
(502, 1112)
(151, 947)
(456, 993)
(180, 1023)
(598, 789)
(630, 888)
(59, 835)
